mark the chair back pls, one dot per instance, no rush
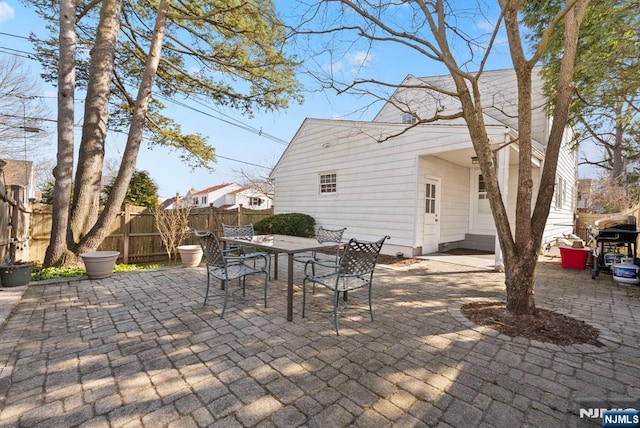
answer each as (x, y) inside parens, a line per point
(211, 248)
(360, 257)
(328, 235)
(238, 232)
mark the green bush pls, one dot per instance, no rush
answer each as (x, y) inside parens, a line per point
(292, 224)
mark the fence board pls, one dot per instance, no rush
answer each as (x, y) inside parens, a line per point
(134, 232)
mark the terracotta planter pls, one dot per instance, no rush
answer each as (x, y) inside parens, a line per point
(15, 275)
(100, 264)
(190, 255)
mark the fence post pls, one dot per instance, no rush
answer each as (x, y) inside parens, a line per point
(124, 226)
(240, 223)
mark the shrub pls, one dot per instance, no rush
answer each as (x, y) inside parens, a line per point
(292, 224)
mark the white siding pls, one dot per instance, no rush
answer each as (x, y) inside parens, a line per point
(561, 220)
(381, 185)
(378, 189)
(499, 96)
(454, 200)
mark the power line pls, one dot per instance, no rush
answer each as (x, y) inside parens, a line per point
(231, 121)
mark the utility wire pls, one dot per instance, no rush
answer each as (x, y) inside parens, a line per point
(231, 121)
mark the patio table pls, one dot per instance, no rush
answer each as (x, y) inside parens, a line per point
(289, 245)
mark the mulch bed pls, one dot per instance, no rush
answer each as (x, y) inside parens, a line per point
(544, 326)
(384, 259)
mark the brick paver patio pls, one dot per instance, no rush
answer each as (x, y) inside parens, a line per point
(139, 349)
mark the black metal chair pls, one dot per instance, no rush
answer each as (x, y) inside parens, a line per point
(226, 267)
(245, 232)
(354, 270)
(323, 235)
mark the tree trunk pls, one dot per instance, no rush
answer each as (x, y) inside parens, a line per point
(63, 172)
(86, 196)
(520, 283)
(618, 166)
(138, 121)
(520, 262)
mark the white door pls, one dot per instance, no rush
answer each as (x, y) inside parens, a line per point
(431, 216)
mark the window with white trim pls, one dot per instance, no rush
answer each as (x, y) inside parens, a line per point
(561, 190)
(255, 202)
(483, 200)
(327, 183)
(431, 199)
(409, 118)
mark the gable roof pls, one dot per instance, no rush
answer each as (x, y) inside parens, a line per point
(17, 172)
(428, 96)
(211, 189)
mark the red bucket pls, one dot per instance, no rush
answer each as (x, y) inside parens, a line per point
(574, 258)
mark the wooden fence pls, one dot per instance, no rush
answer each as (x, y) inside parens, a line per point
(134, 232)
(14, 226)
(583, 220)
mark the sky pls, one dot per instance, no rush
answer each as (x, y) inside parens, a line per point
(241, 143)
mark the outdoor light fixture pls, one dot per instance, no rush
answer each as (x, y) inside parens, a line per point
(474, 160)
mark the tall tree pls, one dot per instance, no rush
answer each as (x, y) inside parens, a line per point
(606, 110)
(63, 171)
(439, 30)
(134, 41)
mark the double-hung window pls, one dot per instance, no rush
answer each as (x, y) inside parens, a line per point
(327, 183)
(561, 190)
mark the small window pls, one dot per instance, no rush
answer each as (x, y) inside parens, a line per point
(328, 183)
(255, 202)
(431, 199)
(483, 201)
(409, 118)
(482, 188)
(203, 200)
(561, 190)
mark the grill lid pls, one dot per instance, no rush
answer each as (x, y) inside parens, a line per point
(626, 222)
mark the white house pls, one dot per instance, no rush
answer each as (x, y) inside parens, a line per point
(422, 186)
(20, 173)
(229, 196)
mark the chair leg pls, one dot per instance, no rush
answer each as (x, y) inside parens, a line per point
(336, 297)
(266, 278)
(304, 295)
(206, 294)
(370, 307)
(226, 298)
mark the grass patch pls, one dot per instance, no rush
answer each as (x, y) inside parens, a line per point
(40, 274)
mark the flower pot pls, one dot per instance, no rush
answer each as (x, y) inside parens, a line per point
(190, 255)
(15, 275)
(99, 264)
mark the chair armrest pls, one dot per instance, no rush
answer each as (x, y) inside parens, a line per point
(245, 257)
(314, 262)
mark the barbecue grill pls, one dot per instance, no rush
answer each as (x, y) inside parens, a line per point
(612, 234)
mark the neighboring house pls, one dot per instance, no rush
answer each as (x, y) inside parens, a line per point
(20, 173)
(228, 196)
(421, 187)
(252, 199)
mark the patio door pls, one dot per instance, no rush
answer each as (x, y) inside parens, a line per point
(431, 234)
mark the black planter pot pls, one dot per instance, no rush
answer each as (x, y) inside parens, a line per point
(15, 275)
